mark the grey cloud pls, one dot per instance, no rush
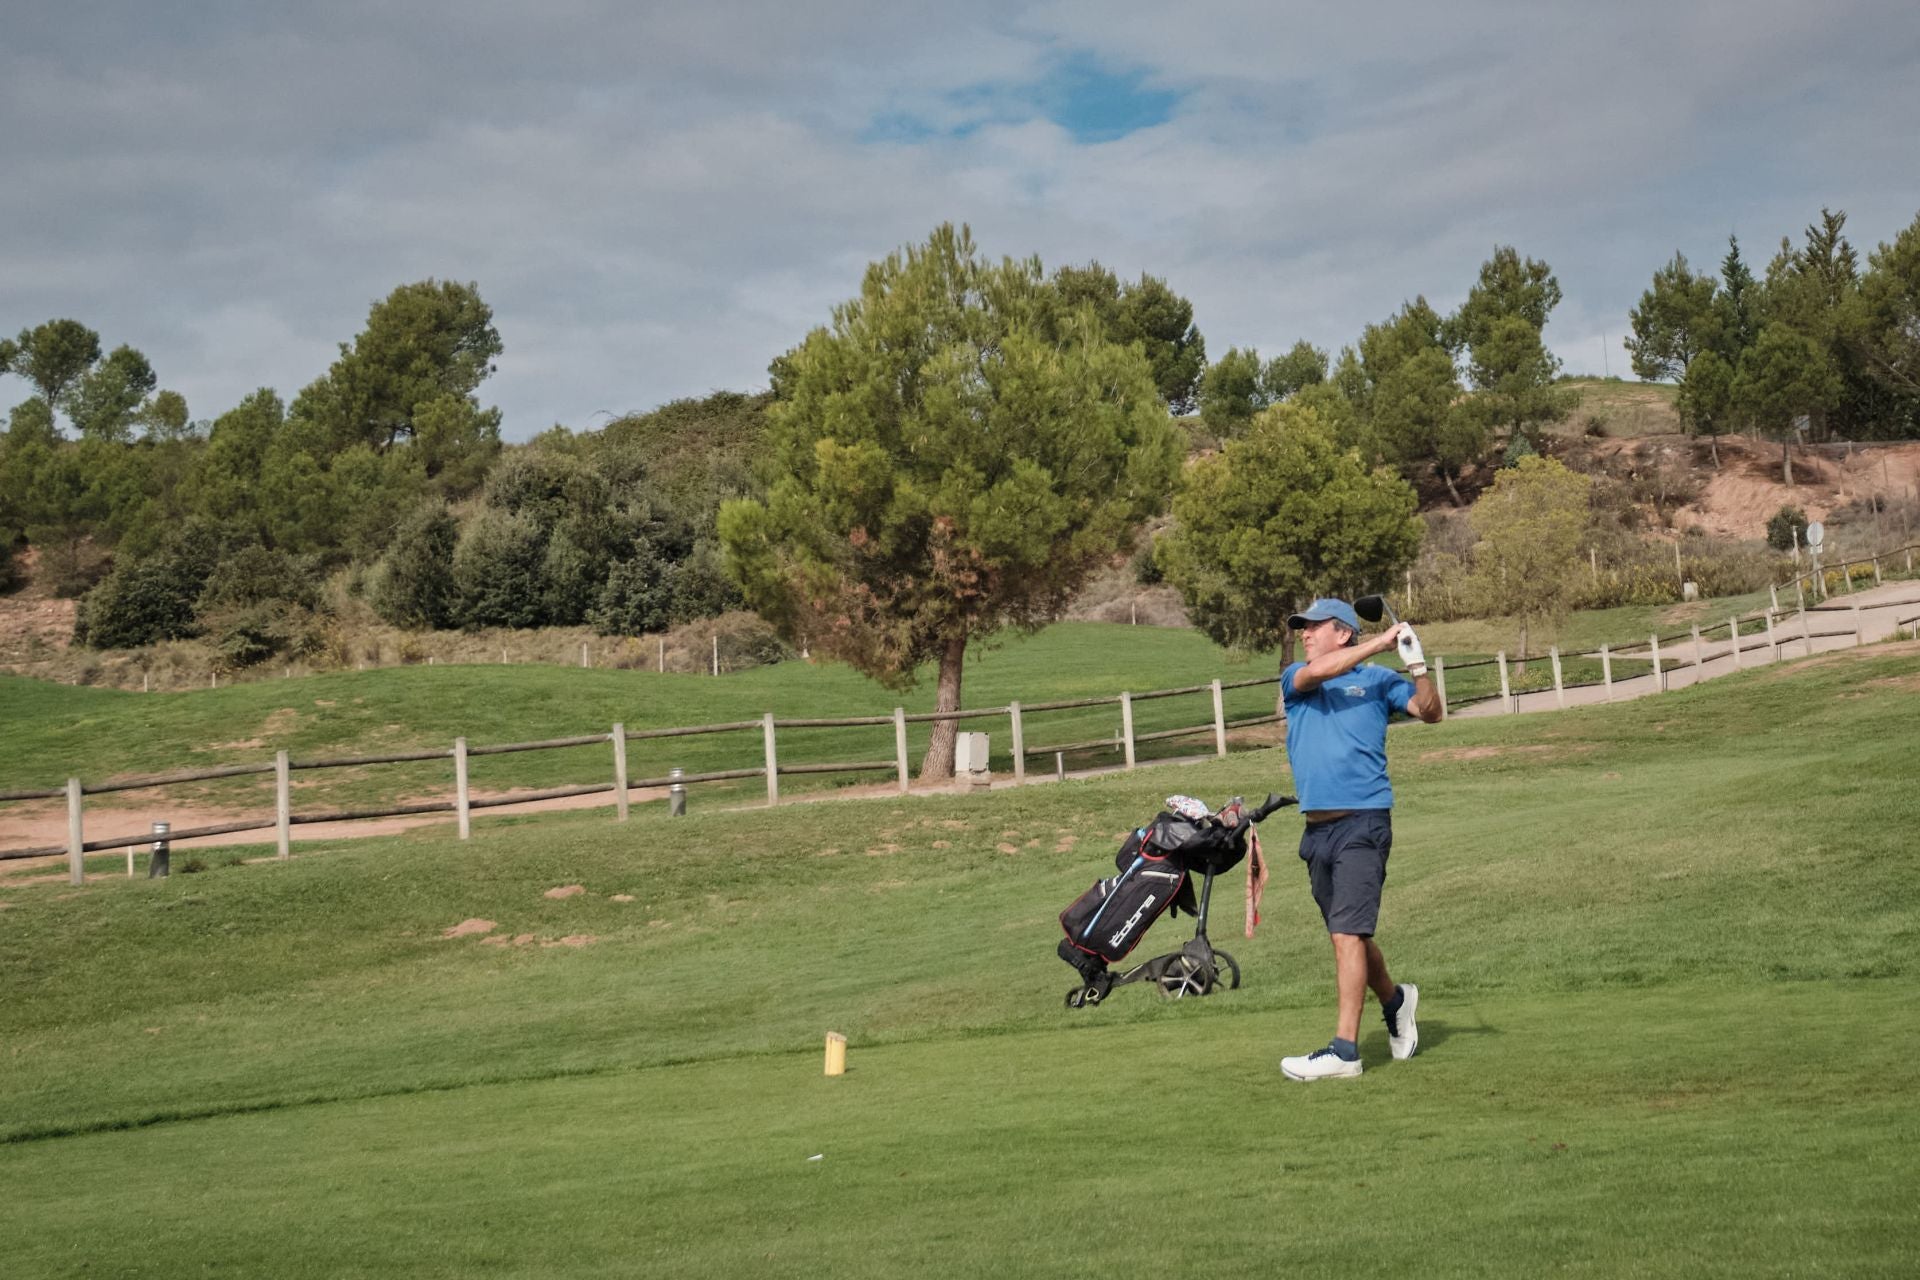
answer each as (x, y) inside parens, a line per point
(657, 199)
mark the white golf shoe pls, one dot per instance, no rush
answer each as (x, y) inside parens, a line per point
(1403, 1034)
(1321, 1064)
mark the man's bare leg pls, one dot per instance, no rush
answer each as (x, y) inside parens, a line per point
(1377, 976)
(1351, 972)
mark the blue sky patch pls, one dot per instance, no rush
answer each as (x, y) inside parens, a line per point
(1089, 100)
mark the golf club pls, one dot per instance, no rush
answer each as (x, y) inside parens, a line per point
(1370, 609)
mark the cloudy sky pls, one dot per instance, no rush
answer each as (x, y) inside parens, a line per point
(658, 198)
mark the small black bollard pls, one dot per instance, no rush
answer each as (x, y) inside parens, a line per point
(677, 794)
(159, 862)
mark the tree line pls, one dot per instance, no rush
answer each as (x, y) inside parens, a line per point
(951, 453)
(1820, 347)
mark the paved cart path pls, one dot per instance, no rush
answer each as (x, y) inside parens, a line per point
(1864, 617)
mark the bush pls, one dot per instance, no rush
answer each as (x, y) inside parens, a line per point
(255, 574)
(636, 597)
(247, 635)
(1787, 529)
(413, 583)
(139, 604)
(702, 587)
(1146, 568)
(497, 572)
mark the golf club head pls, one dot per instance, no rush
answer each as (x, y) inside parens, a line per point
(1372, 608)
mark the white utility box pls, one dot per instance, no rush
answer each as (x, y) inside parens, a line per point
(969, 753)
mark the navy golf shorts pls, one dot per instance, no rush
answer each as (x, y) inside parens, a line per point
(1347, 866)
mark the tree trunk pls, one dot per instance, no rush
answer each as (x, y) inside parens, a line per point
(937, 766)
(1786, 461)
(1713, 443)
(1451, 491)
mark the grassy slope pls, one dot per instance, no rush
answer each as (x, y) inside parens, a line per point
(1663, 945)
(55, 731)
(1623, 408)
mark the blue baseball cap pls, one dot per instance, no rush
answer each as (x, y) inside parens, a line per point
(1327, 609)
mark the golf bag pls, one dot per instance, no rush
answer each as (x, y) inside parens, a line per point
(1155, 867)
(1108, 920)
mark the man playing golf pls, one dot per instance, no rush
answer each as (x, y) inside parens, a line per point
(1337, 708)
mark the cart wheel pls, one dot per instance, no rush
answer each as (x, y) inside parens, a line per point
(1185, 976)
(1076, 996)
(1227, 971)
(1094, 993)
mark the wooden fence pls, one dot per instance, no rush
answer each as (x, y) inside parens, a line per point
(462, 803)
(1658, 660)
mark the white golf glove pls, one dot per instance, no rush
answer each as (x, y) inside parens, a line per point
(1412, 656)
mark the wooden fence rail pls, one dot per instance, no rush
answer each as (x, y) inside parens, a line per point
(1664, 655)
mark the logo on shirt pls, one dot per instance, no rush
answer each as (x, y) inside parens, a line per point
(1355, 691)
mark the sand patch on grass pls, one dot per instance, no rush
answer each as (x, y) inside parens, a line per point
(571, 940)
(622, 897)
(564, 891)
(469, 927)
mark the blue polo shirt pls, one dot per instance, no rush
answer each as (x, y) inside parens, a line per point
(1337, 736)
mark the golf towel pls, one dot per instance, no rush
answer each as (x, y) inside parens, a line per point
(1256, 881)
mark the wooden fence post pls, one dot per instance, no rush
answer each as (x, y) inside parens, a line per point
(1799, 594)
(584, 660)
(1606, 671)
(1019, 732)
(1859, 636)
(460, 806)
(1876, 571)
(773, 761)
(1440, 682)
(620, 771)
(1219, 723)
(1733, 629)
(1773, 642)
(1559, 689)
(1698, 656)
(76, 835)
(282, 805)
(1659, 682)
(1773, 598)
(1126, 726)
(1506, 690)
(900, 745)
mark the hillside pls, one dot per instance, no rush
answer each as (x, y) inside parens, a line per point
(1625, 429)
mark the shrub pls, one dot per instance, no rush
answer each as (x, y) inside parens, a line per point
(254, 574)
(1787, 529)
(636, 597)
(496, 572)
(702, 587)
(413, 583)
(139, 604)
(247, 635)
(1146, 568)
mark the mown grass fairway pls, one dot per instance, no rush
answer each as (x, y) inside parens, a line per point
(1665, 950)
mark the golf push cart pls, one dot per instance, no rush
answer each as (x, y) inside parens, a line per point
(1155, 864)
